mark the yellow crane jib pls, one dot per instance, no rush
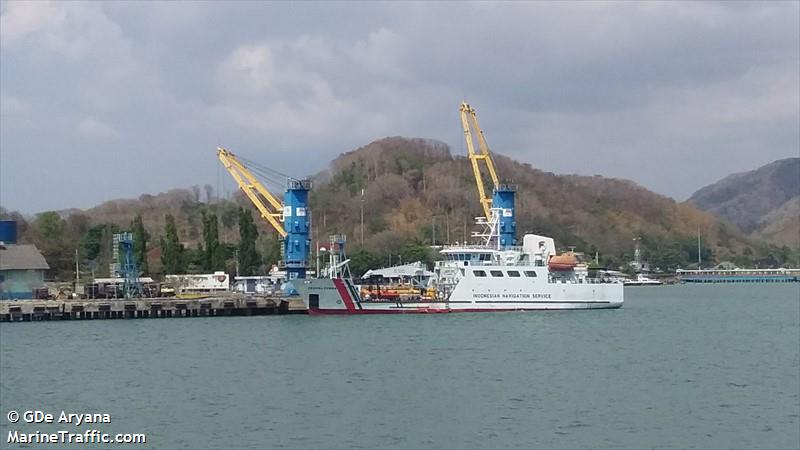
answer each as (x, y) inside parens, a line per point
(270, 207)
(469, 121)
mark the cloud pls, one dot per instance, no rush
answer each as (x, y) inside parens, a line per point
(673, 95)
(382, 54)
(70, 29)
(765, 93)
(308, 85)
(12, 106)
(95, 129)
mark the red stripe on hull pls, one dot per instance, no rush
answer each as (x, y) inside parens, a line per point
(326, 312)
(344, 312)
(348, 302)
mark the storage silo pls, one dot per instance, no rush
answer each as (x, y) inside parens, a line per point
(8, 231)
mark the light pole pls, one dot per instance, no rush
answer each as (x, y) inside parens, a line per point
(362, 218)
(433, 220)
(447, 227)
(698, 248)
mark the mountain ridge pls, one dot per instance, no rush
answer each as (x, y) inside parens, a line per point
(593, 213)
(762, 202)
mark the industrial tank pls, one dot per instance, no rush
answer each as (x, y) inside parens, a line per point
(8, 231)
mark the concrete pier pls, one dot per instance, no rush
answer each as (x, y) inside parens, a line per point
(147, 308)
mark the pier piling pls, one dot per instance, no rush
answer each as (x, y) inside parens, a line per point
(146, 308)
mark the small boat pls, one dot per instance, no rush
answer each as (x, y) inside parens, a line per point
(642, 280)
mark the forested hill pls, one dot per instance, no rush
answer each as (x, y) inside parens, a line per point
(764, 202)
(409, 184)
(411, 187)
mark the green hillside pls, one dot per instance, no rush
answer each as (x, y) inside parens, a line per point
(415, 193)
(410, 184)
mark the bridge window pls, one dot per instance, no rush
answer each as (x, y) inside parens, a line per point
(479, 273)
(496, 273)
(530, 273)
(513, 273)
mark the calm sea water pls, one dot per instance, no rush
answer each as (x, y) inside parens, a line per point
(676, 367)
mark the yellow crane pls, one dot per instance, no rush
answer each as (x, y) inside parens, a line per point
(469, 121)
(270, 207)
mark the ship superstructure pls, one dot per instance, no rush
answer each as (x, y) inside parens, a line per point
(475, 278)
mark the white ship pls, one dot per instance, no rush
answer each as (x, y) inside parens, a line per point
(475, 278)
(493, 276)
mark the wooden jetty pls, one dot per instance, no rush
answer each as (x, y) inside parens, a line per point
(147, 308)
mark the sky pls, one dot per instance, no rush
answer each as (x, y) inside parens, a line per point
(107, 100)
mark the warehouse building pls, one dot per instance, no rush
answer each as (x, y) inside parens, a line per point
(22, 270)
(22, 266)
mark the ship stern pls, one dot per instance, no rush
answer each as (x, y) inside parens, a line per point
(328, 296)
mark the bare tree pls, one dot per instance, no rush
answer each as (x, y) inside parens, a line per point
(209, 192)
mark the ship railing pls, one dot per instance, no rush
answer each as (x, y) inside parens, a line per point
(460, 264)
(738, 271)
(483, 248)
(462, 247)
(584, 281)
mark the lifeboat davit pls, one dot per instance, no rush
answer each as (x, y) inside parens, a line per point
(562, 262)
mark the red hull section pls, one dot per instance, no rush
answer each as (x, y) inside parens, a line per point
(348, 302)
(344, 312)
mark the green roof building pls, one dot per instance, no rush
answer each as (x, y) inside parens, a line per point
(22, 269)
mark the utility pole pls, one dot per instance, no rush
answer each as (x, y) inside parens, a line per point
(698, 248)
(433, 220)
(77, 270)
(316, 248)
(362, 218)
(447, 227)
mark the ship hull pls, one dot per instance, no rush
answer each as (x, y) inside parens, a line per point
(340, 297)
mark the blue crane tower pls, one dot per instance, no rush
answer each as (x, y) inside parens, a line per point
(500, 208)
(296, 243)
(125, 264)
(289, 217)
(503, 205)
